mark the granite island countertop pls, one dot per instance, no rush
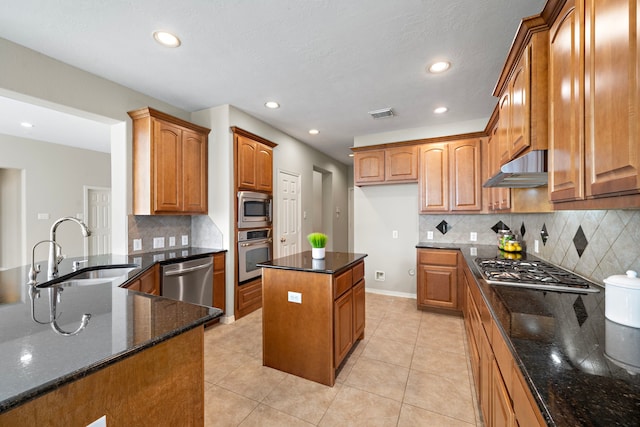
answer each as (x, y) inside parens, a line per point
(37, 359)
(582, 368)
(332, 263)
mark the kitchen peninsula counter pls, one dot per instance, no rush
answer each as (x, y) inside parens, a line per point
(313, 312)
(125, 328)
(581, 368)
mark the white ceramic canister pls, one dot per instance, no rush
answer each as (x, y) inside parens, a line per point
(622, 299)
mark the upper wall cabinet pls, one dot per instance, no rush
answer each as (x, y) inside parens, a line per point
(450, 176)
(522, 93)
(254, 162)
(386, 166)
(595, 149)
(169, 164)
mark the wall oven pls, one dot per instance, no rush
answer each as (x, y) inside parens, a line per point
(254, 246)
(254, 209)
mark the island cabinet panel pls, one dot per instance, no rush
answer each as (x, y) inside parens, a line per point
(437, 279)
(163, 385)
(169, 164)
(312, 336)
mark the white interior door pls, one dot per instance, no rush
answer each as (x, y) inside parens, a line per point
(287, 241)
(98, 219)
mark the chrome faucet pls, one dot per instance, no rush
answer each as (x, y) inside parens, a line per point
(55, 257)
(35, 269)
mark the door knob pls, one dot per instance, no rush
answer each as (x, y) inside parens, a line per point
(283, 239)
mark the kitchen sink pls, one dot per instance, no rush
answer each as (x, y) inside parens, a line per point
(100, 276)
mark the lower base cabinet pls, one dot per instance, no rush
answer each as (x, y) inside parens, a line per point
(248, 298)
(438, 279)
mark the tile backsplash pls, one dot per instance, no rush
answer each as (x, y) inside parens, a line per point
(148, 227)
(594, 243)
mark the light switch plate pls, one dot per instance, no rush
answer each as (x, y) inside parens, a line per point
(137, 244)
(172, 241)
(43, 216)
(185, 240)
(294, 297)
(395, 234)
(429, 235)
(158, 242)
(473, 236)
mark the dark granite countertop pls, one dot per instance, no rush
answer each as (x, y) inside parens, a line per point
(333, 262)
(582, 368)
(37, 357)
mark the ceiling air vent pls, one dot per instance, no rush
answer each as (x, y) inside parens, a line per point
(381, 114)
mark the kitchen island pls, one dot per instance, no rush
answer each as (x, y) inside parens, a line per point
(579, 367)
(137, 361)
(313, 312)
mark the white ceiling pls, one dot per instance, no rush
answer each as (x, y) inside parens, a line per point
(327, 62)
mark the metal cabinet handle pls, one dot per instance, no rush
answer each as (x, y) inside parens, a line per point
(188, 270)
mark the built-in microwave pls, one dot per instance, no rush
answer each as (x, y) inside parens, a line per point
(254, 209)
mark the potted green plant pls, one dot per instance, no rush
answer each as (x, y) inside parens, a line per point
(318, 241)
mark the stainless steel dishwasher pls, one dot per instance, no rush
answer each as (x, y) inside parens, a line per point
(190, 281)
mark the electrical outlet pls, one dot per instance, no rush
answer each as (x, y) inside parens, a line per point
(294, 297)
(379, 276)
(536, 246)
(43, 216)
(473, 236)
(185, 240)
(172, 241)
(158, 242)
(395, 234)
(473, 251)
(429, 235)
(137, 244)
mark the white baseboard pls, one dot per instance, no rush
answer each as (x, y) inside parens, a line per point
(391, 293)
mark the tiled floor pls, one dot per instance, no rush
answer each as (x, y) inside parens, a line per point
(410, 370)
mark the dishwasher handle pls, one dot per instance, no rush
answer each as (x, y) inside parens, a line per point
(184, 271)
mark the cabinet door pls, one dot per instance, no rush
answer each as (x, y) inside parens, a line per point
(612, 97)
(219, 276)
(167, 167)
(465, 171)
(401, 164)
(358, 310)
(519, 108)
(149, 281)
(485, 374)
(194, 161)
(368, 167)
(504, 128)
(434, 178)
(501, 410)
(437, 286)
(343, 326)
(246, 161)
(264, 168)
(566, 145)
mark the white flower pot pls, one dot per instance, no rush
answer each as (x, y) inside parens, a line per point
(317, 253)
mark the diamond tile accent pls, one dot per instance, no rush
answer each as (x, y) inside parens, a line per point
(443, 227)
(580, 241)
(544, 235)
(580, 310)
(500, 226)
(523, 230)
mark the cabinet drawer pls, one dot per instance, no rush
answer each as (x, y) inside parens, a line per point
(502, 355)
(342, 282)
(438, 257)
(358, 272)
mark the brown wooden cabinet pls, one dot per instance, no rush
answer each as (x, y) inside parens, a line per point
(343, 326)
(595, 151)
(450, 176)
(169, 164)
(499, 197)
(248, 297)
(148, 282)
(438, 279)
(219, 280)
(254, 162)
(386, 166)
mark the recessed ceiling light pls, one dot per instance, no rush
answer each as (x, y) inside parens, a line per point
(166, 39)
(272, 104)
(439, 67)
(26, 125)
(351, 155)
(314, 131)
(441, 110)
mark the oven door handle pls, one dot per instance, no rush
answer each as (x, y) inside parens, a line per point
(260, 242)
(188, 270)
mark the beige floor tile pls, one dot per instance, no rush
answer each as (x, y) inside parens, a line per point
(353, 407)
(390, 351)
(443, 363)
(383, 379)
(441, 395)
(441, 339)
(264, 416)
(252, 380)
(397, 329)
(302, 399)
(224, 408)
(220, 362)
(410, 416)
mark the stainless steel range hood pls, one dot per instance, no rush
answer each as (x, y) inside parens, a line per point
(527, 171)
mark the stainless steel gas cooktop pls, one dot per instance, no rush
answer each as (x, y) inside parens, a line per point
(532, 274)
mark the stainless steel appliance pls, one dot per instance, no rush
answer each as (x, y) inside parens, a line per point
(190, 281)
(254, 246)
(254, 209)
(533, 274)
